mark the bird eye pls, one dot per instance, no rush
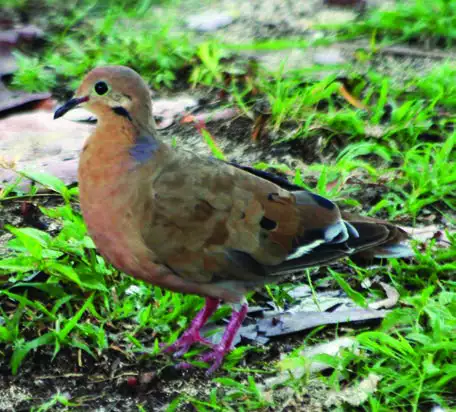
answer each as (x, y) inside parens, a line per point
(101, 88)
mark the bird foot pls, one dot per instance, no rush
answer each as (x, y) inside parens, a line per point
(185, 342)
(192, 334)
(215, 357)
(218, 352)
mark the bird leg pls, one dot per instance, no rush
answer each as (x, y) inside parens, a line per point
(192, 334)
(219, 351)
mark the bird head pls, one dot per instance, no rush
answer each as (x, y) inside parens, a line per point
(108, 89)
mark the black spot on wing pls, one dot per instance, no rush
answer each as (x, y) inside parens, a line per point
(285, 184)
(267, 224)
(278, 180)
(323, 202)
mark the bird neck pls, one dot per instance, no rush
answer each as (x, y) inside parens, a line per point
(128, 131)
(119, 144)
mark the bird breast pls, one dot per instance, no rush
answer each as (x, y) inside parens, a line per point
(109, 195)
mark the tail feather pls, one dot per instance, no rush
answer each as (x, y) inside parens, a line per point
(393, 251)
(394, 246)
(367, 239)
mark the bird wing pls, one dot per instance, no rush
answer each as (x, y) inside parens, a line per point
(210, 221)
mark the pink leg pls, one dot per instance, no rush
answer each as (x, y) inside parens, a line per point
(192, 334)
(219, 351)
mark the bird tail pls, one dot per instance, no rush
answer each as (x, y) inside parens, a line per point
(395, 245)
(368, 238)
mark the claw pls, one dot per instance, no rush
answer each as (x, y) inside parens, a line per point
(215, 357)
(185, 342)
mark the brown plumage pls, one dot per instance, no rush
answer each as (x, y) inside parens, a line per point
(195, 224)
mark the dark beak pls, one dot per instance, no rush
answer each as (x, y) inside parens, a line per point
(70, 104)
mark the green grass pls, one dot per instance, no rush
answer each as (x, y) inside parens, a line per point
(232, 396)
(413, 353)
(87, 37)
(418, 20)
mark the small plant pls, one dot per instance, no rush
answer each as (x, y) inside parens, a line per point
(157, 53)
(32, 75)
(412, 20)
(231, 396)
(210, 71)
(427, 176)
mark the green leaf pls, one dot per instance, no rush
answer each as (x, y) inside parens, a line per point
(357, 297)
(22, 349)
(27, 302)
(70, 325)
(5, 334)
(34, 240)
(43, 238)
(92, 281)
(81, 345)
(18, 264)
(67, 271)
(52, 289)
(212, 146)
(49, 181)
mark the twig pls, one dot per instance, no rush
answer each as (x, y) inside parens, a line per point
(403, 51)
(406, 51)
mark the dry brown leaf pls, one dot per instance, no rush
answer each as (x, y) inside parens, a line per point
(332, 348)
(427, 233)
(392, 297)
(355, 395)
(351, 99)
(206, 117)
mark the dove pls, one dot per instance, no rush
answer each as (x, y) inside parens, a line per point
(198, 225)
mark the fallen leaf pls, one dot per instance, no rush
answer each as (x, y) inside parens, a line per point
(166, 110)
(302, 364)
(258, 127)
(355, 395)
(209, 21)
(427, 233)
(333, 184)
(298, 321)
(206, 117)
(392, 297)
(351, 99)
